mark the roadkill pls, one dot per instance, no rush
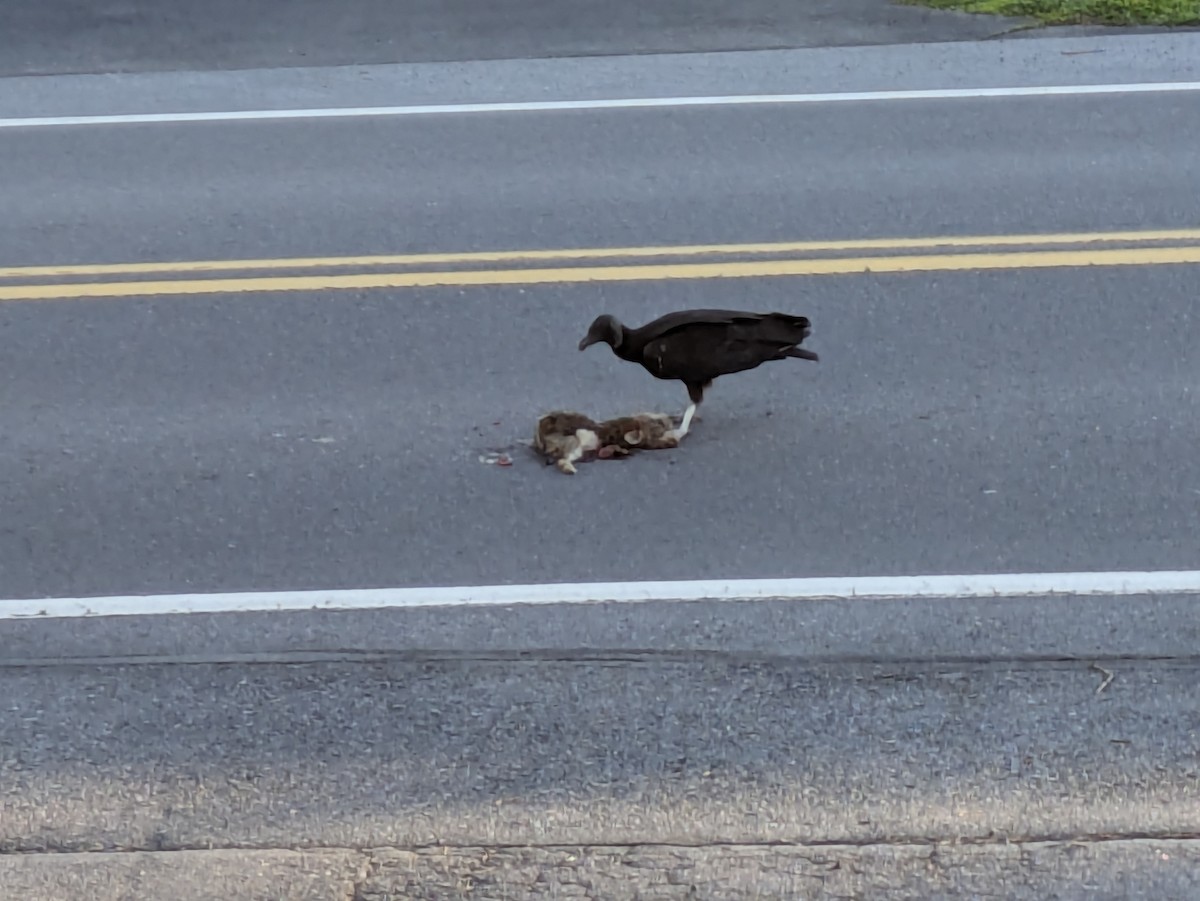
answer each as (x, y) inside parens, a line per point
(564, 437)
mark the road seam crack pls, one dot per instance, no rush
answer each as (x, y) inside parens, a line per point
(370, 852)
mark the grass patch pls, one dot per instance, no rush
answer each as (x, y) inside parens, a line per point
(1081, 12)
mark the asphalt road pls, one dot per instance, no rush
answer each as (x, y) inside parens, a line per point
(505, 754)
(972, 424)
(959, 421)
(59, 36)
(972, 421)
(839, 749)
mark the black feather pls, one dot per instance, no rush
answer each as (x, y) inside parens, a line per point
(697, 346)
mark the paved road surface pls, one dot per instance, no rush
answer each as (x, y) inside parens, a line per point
(63, 36)
(882, 749)
(1014, 418)
(57, 36)
(974, 421)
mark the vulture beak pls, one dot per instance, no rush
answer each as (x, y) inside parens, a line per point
(587, 342)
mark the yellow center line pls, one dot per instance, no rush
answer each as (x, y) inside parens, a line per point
(1135, 256)
(601, 253)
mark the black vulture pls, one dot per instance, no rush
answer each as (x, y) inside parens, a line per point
(697, 346)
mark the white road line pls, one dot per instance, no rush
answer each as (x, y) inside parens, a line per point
(1002, 585)
(616, 103)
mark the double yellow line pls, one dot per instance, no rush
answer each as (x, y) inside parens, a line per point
(529, 267)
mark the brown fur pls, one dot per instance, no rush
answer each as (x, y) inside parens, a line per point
(564, 437)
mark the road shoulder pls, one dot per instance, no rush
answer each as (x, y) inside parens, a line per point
(1110, 59)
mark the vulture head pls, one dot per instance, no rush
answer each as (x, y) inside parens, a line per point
(604, 328)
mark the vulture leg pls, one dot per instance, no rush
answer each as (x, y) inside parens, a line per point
(687, 421)
(695, 394)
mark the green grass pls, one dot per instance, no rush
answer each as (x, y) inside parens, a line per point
(1082, 12)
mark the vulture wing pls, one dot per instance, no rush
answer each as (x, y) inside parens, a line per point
(672, 322)
(711, 343)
